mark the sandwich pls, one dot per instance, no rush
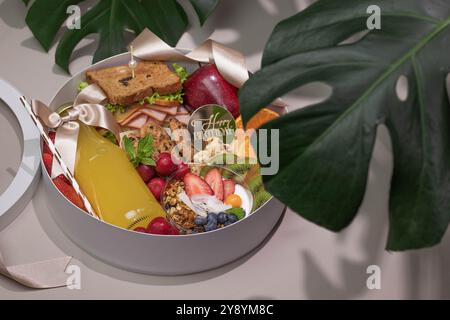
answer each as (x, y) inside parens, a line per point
(154, 94)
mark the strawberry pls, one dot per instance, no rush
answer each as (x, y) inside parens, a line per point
(193, 184)
(228, 187)
(51, 134)
(68, 191)
(173, 231)
(61, 176)
(214, 179)
(48, 160)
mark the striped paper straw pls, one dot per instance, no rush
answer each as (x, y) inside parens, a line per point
(57, 155)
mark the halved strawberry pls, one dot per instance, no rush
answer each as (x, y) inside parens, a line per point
(228, 187)
(193, 184)
(48, 160)
(52, 135)
(68, 191)
(214, 179)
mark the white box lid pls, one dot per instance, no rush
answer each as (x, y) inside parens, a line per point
(20, 191)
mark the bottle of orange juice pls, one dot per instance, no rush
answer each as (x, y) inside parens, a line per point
(113, 186)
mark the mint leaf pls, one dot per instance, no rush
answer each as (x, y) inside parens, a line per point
(148, 161)
(143, 153)
(145, 145)
(129, 149)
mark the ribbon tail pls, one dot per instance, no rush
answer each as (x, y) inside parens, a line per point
(66, 140)
(148, 46)
(39, 275)
(91, 94)
(98, 116)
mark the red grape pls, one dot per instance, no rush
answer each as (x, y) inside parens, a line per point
(156, 186)
(182, 169)
(165, 165)
(159, 226)
(146, 172)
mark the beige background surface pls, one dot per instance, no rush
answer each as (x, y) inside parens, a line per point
(300, 261)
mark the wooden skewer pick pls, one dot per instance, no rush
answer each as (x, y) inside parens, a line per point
(132, 64)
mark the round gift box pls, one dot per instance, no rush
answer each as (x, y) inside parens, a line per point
(147, 253)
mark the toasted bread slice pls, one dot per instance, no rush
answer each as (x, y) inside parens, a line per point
(122, 89)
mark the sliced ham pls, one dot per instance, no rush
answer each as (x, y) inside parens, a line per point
(166, 103)
(157, 115)
(169, 110)
(129, 114)
(138, 122)
(131, 117)
(182, 110)
(183, 118)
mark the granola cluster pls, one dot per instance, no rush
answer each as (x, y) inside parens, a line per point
(176, 209)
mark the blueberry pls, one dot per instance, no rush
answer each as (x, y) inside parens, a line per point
(232, 218)
(227, 223)
(210, 226)
(200, 221)
(212, 217)
(222, 217)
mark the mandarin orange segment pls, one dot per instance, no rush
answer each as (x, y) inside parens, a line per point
(262, 117)
(239, 123)
(241, 145)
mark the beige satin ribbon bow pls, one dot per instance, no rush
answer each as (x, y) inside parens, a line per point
(86, 109)
(230, 63)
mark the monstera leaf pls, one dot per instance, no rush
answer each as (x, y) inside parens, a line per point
(110, 19)
(204, 8)
(325, 149)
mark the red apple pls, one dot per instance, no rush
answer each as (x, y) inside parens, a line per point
(207, 86)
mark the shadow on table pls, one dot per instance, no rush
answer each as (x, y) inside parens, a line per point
(256, 20)
(69, 248)
(352, 276)
(424, 274)
(7, 10)
(428, 277)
